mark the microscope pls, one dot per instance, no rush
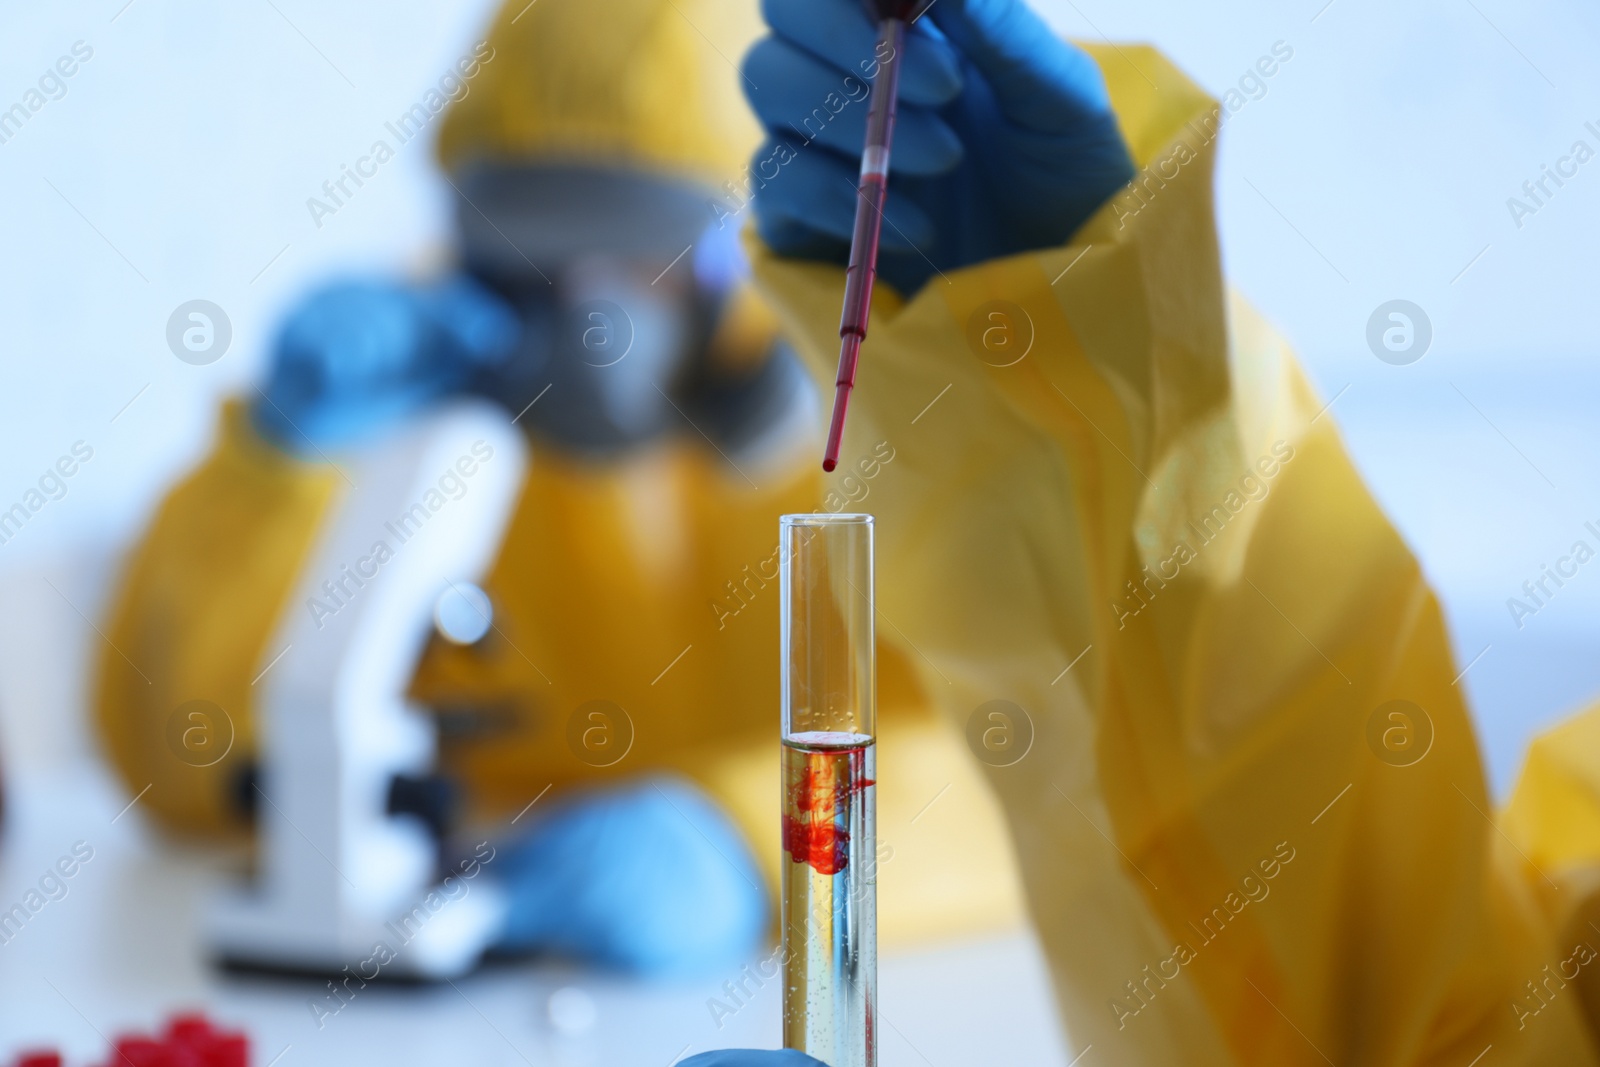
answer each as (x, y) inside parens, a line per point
(347, 871)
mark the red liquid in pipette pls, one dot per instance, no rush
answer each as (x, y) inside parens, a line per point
(871, 190)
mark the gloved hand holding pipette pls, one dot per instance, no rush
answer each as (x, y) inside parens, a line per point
(1011, 144)
(1006, 140)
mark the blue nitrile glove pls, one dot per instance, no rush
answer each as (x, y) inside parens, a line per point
(359, 356)
(1005, 139)
(749, 1057)
(651, 878)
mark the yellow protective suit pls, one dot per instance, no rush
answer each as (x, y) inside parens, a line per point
(1230, 848)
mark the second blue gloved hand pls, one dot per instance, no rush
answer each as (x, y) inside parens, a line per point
(651, 878)
(357, 357)
(1005, 139)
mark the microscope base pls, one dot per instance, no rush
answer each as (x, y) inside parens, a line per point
(248, 933)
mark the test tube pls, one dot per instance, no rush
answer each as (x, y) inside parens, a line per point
(829, 687)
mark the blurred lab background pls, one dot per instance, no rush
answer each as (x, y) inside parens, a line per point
(1374, 165)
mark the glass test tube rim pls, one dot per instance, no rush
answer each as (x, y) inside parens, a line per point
(819, 520)
(810, 518)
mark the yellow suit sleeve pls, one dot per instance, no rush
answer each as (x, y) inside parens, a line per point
(199, 599)
(1251, 819)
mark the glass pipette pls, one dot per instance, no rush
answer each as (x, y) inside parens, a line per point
(892, 17)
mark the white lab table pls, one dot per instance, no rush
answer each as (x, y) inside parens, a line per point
(122, 950)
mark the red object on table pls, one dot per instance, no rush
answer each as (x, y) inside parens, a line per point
(190, 1040)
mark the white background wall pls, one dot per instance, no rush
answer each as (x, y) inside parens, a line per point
(1376, 166)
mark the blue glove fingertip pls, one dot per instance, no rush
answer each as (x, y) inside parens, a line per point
(749, 1057)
